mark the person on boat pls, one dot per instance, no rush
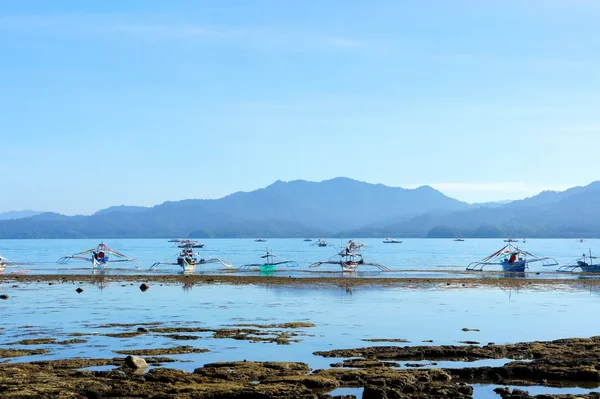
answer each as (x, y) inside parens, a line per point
(513, 258)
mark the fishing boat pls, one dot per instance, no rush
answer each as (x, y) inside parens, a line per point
(585, 263)
(321, 243)
(349, 259)
(13, 267)
(269, 263)
(459, 239)
(392, 241)
(189, 244)
(511, 259)
(174, 240)
(511, 240)
(187, 259)
(308, 239)
(260, 240)
(100, 257)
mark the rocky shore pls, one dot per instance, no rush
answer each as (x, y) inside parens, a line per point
(455, 279)
(560, 363)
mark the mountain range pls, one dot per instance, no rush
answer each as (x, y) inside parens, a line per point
(335, 207)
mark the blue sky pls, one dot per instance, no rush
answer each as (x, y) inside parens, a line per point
(139, 102)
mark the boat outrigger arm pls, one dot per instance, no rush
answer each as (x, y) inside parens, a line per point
(349, 260)
(191, 265)
(98, 257)
(269, 263)
(509, 255)
(587, 263)
(14, 267)
(345, 264)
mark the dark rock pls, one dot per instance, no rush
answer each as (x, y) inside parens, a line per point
(79, 290)
(3, 296)
(144, 287)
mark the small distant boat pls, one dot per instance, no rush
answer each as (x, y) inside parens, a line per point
(260, 240)
(392, 241)
(189, 244)
(321, 243)
(512, 259)
(585, 263)
(349, 259)
(174, 240)
(511, 240)
(308, 239)
(99, 256)
(459, 239)
(269, 264)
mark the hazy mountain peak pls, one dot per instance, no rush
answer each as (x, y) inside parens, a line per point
(18, 214)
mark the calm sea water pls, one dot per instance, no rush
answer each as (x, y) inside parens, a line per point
(342, 318)
(439, 255)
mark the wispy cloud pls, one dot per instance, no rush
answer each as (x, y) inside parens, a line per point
(491, 191)
(345, 42)
(186, 31)
(165, 28)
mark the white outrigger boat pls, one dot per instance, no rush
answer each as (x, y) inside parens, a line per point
(349, 259)
(100, 257)
(269, 264)
(512, 259)
(321, 242)
(189, 244)
(14, 267)
(188, 260)
(392, 241)
(585, 263)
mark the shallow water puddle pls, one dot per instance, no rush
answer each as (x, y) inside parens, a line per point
(485, 391)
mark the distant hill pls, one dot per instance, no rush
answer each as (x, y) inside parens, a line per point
(123, 209)
(284, 209)
(17, 214)
(571, 213)
(336, 207)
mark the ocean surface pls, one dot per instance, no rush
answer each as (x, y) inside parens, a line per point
(342, 318)
(411, 256)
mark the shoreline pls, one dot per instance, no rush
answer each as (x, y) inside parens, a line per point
(407, 282)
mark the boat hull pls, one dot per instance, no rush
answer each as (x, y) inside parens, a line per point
(99, 263)
(518, 266)
(590, 269)
(267, 268)
(349, 266)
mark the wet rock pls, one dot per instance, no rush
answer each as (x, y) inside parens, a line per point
(135, 362)
(4, 353)
(470, 329)
(385, 340)
(295, 324)
(178, 350)
(142, 330)
(79, 290)
(251, 371)
(181, 337)
(126, 334)
(144, 287)
(3, 296)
